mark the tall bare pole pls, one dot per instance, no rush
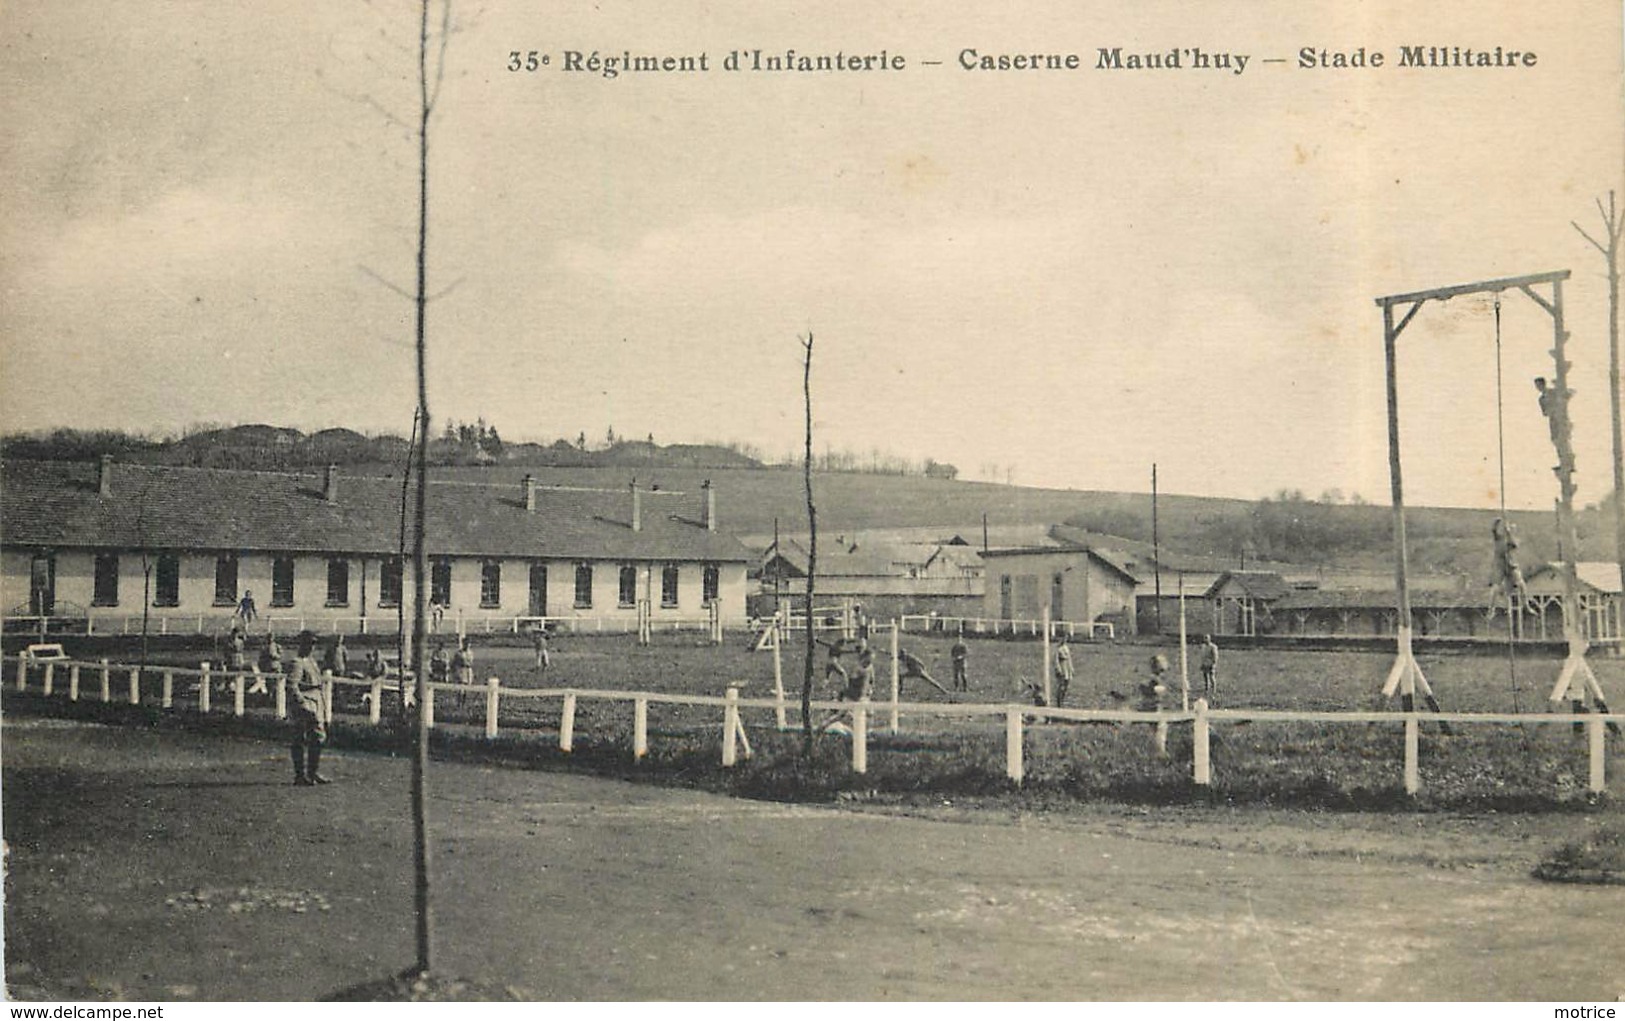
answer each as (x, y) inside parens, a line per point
(812, 553)
(1613, 226)
(1156, 546)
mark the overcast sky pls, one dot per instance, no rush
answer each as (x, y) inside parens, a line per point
(1070, 274)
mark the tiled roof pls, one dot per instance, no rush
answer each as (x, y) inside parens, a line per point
(1053, 550)
(1602, 575)
(1375, 599)
(1256, 584)
(44, 503)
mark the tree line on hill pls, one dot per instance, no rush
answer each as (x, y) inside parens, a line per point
(273, 448)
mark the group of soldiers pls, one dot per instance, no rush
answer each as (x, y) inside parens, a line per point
(1149, 688)
(857, 682)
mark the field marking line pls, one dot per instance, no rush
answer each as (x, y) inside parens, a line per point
(1263, 938)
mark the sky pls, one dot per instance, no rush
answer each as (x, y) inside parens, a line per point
(1060, 277)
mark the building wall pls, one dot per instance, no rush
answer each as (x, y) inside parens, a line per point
(1088, 591)
(75, 570)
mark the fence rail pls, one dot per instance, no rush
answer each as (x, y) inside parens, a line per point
(734, 738)
(1095, 630)
(210, 624)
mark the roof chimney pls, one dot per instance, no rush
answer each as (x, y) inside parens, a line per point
(708, 513)
(104, 476)
(330, 484)
(530, 494)
(637, 508)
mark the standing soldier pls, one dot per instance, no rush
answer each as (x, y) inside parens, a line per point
(960, 654)
(338, 658)
(1062, 670)
(246, 609)
(538, 640)
(309, 714)
(1210, 669)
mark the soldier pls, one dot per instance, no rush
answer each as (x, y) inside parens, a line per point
(309, 714)
(1209, 662)
(538, 641)
(1507, 582)
(912, 666)
(239, 649)
(338, 658)
(1063, 670)
(1554, 404)
(1152, 689)
(960, 655)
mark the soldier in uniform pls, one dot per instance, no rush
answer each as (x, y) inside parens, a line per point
(960, 654)
(309, 714)
(1062, 670)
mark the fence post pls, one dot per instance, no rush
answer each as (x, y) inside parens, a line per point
(428, 704)
(860, 739)
(327, 696)
(1201, 765)
(1598, 742)
(22, 671)
(567, 722)
(896, 682)
(281, 696)
(46, 683)
(205, 689)
(73, 683)
(237, 686)
(1159, 740)
(640, 728)
(492, 686)
(1413, 775)
(168, 696)
(135, 685)
(107, 682)
(1013, 767)
(375, 713)
(730, 728)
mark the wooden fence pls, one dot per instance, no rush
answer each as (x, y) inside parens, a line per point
(1098, 630)
(136, 688)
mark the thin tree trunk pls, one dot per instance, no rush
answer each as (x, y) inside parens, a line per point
(420, 548)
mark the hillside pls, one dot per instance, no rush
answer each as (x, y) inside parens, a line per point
(1448, 540)
(751, 497)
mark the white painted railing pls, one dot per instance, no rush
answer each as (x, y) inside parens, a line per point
(1097, 630)
(734, 736)
(170, 622)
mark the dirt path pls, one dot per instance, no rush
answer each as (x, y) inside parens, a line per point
(176, 866)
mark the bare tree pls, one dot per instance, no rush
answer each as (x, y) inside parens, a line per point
(1613, 226)
(812, 552)
(432, 40)
(428, 95)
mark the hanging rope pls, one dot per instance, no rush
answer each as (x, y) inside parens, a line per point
(1506, 525)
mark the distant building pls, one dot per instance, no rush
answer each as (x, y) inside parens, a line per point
(1074, 582)
(888, 579)
(1597, 585)
(79, 540)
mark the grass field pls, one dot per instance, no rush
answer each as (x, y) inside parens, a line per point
(1343, 766)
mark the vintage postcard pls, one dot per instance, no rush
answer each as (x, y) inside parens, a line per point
(863, 501)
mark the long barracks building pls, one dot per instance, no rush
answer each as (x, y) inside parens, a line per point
(99, 541)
